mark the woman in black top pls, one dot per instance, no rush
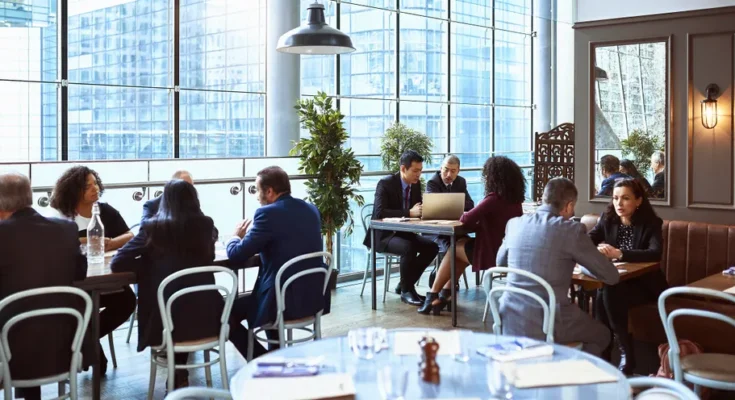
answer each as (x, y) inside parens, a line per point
(628, 231)
(74, 195)
(179, 236)
(628, 168)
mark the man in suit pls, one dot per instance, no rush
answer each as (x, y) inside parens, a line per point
(36, 252)
(282, 229)
(548, 244)
(658, 164)
(610, 167)
(399, 195)
(150, 208)
(448, 181)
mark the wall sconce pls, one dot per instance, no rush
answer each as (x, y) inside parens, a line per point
(709, 106)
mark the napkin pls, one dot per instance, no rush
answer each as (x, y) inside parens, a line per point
(559, 373)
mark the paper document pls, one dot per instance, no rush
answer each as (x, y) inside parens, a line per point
(407, 343)
(560, 373)
(326, 386)
(730, 290)
(399, 219)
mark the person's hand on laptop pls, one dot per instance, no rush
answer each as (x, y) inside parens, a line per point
(415, 211)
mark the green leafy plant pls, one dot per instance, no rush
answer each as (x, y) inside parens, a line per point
(399, 138)
(638, 148)
(336, 168)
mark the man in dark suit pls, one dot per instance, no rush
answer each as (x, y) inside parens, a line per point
(399, 195)
(610, 167)
(36, 252)
(658, 164)
(449, 181)
(150, 208)
(282, 229)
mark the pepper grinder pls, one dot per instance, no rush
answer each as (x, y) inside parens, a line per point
(428, 368)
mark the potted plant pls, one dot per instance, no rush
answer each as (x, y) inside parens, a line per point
(638, 148)
(399, 138)
(336, 168)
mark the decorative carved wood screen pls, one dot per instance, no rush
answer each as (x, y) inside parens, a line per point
(554, 157)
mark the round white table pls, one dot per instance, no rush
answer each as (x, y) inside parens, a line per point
(458, 380)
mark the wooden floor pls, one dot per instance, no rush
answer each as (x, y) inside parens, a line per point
(349, 310)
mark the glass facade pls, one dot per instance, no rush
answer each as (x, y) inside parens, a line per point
(458, 70)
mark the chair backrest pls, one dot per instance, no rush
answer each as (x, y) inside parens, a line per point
(164, 306)
(199, 393)
(366, 213)
(668, 319)
(281, 289)
(493, 298)
(663, 387)
(76, 345)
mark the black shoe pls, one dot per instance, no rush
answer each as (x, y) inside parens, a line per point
(411, 298)
(446, 297)
(422, 298)
(429, 306)
(627, 355)
(398, 288)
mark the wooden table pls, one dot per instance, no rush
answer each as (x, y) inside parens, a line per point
(102, 279)
(715, 282)
(589, 283)
(453, 229)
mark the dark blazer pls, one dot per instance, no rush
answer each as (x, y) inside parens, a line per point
(389, 204)
(436, 185)
(150, 208)
(195, 316)
(606, 188)
(285, 229)
(658, 188)
(38, 252)
(647, 239)
(488, 220)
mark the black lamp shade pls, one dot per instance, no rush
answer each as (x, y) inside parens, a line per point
(315, 36)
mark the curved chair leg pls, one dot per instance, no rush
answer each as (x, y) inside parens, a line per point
(386, 277)
(112, 350)
(464, 275)
(208, 370)
(130, 326)
(223, 367)
(171, 372)
(152, 381)
(73, 387)
(364, 277)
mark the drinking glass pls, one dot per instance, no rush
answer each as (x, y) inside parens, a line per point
(465, 345)
(365, 342)
(392, 382)
(499, 379)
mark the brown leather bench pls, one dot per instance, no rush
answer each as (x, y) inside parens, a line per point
(691, 251)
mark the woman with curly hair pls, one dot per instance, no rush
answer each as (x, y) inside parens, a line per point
(505, 191)
(73, 198)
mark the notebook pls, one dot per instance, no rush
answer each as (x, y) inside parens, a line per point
(559, 373)
(323, 386)
(518, 349)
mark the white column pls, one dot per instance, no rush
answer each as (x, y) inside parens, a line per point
(542, 64)
(282, 79)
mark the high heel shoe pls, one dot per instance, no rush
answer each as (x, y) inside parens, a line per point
(429, 306)
(446, 297)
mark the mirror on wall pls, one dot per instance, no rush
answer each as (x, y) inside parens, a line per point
(629, 118)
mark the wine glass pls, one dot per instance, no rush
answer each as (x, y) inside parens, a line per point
(499, 379)
(392, 382)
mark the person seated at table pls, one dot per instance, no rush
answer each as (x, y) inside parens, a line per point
(76, 191)
(281, 229)
(150, 207)
(610, 167)
(179, 236)
(549, 244)
(448, 181)
(505, 190)
(399, 195)
(628, 231)
(36, 252)
(628, 168)
(658, 164)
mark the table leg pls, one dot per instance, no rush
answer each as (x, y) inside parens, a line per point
(95, 321)
(374, 272)
(453, 279)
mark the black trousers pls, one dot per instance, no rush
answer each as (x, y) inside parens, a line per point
(613, 302)
(416, 253)
(117, 308)
(239, 336)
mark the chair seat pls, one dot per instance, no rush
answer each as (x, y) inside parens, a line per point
(658, 394)
(198, 341)
(715, 366)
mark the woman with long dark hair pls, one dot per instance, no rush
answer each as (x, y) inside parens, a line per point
(505, 191)
(628, 168)
(73, 198)
(628, 231)
(179, 236)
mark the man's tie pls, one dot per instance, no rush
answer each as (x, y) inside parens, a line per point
(449, 187)
(407, 197)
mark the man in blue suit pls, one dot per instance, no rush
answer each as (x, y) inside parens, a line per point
(283, 228)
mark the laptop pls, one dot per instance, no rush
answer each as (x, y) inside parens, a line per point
(443, 206)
